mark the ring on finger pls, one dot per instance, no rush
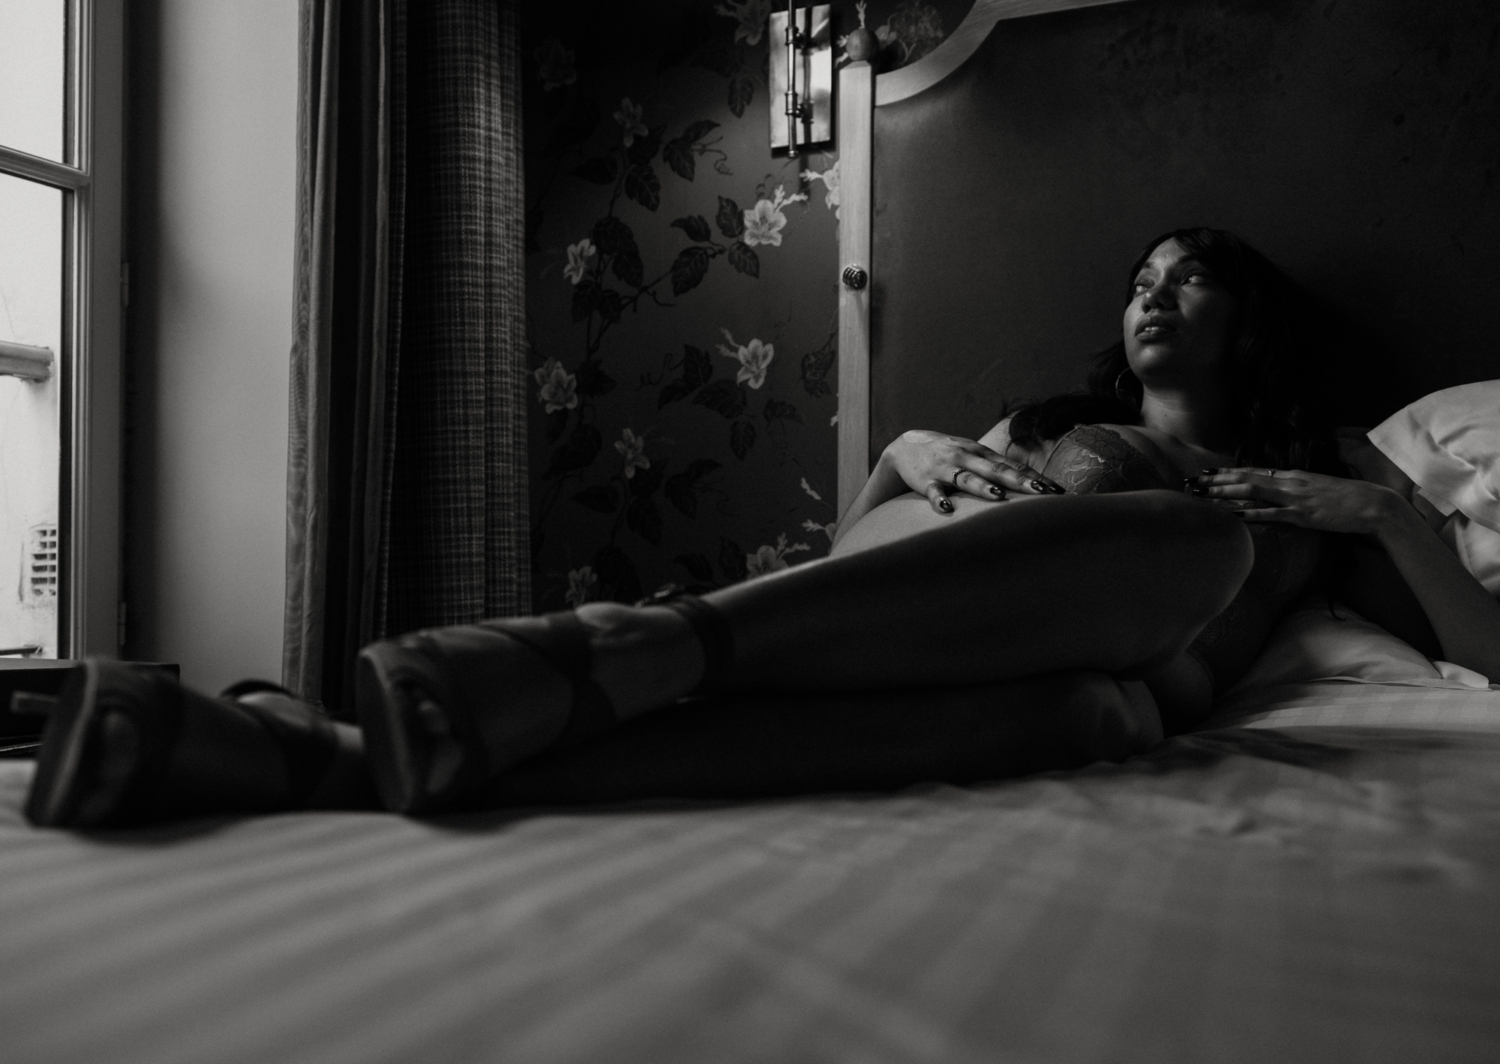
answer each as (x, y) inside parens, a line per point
(956, 474)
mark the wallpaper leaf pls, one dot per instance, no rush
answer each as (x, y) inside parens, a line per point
(678, 154)
(815, 367)
(696, 228)
(732, 559)
(724, 397)
(613, 237)
(700, 468)
(585, 300)
(689, 269)
(697, 367)
(643, 186)
(742, 258)
(730, 218)
(629, 268)
(683, 494)
(679, 151)
(672, 392)
(741, 92)
(741, 438)
(779, 410)
(644, 519)
(698, 130)
(609, 305)
(682, 488)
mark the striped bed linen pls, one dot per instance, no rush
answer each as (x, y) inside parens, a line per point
(1305, 891)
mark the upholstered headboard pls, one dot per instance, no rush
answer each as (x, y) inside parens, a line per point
(1356, 144)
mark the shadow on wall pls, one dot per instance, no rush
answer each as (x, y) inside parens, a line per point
(682, 297)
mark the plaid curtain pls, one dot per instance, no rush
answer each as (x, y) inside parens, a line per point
(407, 502)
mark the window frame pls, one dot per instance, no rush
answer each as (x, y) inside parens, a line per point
(89, 365)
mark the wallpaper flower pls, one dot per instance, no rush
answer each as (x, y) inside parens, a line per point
(659, 229)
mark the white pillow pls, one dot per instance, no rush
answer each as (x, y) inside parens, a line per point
(1314, 643)
(1448, 443)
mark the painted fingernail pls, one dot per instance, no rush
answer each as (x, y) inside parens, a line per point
(945, 506)
(1208, 472)
(1039, 487)
(1199, 491)
(997, 491)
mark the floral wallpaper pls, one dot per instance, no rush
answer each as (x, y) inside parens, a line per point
(681, 297)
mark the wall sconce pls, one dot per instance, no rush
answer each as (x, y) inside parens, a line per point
(801, 44)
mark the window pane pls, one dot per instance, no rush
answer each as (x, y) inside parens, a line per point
(31, 324)
(33, 71)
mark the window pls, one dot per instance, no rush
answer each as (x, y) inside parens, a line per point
(61, 116)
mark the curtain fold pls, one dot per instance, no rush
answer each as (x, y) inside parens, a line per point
(407, 465)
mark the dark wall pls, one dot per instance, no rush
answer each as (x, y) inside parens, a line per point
(1357, 144)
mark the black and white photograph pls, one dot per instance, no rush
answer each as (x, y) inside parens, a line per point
(749, 531)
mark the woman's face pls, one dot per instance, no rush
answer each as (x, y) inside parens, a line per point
(1178, 322)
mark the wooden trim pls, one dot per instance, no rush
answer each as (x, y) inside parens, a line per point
(856, 214)
(962, 43)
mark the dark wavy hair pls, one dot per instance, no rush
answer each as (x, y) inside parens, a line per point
(1283, 420)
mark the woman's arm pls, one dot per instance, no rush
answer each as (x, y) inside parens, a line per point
(937, 465)
(1464, 617)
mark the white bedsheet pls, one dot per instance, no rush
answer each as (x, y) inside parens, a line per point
(1319, 883)
(1347, 702)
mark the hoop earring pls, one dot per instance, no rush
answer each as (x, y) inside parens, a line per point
(1120, 392)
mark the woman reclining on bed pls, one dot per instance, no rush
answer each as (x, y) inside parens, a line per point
(1091, 568)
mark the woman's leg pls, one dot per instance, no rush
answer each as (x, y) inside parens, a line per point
(1111, 584)
(1114, 583)
(765, 745)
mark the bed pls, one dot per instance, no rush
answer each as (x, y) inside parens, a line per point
(1314, 875)
(1316, 879)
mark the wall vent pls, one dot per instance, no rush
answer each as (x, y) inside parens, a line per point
(39, 582)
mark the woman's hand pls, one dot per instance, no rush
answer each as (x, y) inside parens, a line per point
(938, 465)
(1312, 500)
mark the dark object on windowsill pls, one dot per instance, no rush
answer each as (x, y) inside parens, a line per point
(28, 690)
